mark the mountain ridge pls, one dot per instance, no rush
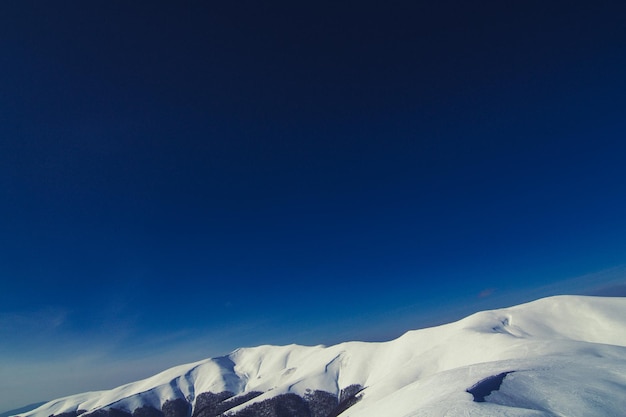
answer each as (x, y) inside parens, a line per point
(563, 341)
(22, 409)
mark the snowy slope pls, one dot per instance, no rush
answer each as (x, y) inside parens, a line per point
(558, 356)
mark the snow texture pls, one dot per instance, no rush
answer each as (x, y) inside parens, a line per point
(558, 356)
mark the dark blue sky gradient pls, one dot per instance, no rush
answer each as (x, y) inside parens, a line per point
(301, 172)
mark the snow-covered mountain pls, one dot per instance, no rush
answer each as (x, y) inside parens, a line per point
(558, 356)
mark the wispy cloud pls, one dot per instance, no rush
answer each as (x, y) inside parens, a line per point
(39, 320)
(588, 284)
(610, 290)
(486, 292)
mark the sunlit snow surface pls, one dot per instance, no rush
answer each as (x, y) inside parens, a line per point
(565, 356)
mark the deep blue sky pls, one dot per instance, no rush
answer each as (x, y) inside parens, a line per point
(178, 179)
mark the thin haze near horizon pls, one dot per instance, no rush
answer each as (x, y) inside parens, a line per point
(181, 179)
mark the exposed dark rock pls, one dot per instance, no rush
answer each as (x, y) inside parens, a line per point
(485, 387)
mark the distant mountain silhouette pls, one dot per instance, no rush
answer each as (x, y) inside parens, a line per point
(24, 409)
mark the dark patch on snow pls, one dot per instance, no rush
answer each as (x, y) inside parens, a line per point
(485, 387)
(501, 327)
